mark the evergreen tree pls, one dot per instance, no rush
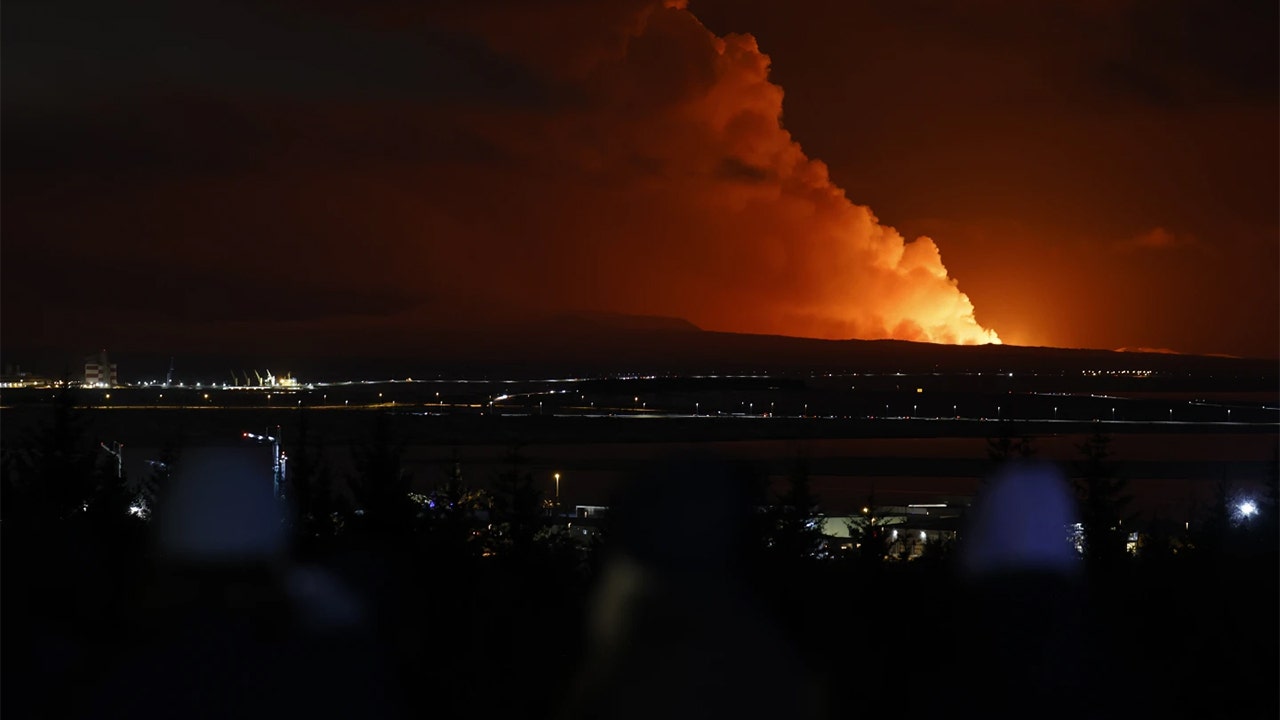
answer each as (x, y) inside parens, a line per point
(1008, 444)
(795, 529)
(1101, 493)
(517, 507)
(1159, 543)
(453, 514)
(380, 485)
(310, 487)
(1269, 506)
(868, 534)
(13, 500)
(111, 497)
(52, 475)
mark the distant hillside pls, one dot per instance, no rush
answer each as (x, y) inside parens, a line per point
(621, 321)
(607, 345)
(601, 343)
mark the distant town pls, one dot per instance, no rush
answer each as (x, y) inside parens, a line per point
(1225, 424)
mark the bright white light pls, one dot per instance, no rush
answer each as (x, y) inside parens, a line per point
(1247, 508)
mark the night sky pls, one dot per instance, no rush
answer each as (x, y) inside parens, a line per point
(198, 175)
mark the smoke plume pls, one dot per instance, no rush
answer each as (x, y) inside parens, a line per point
(667, 184)
(406, 168)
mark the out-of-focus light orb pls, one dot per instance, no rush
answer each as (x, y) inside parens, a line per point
(1247, 508)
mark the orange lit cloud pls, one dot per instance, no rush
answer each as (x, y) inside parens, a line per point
(669, 186)
(446, 167)
(1157, 238)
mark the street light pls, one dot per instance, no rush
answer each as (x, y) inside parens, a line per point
(557, 476)
(278, 458)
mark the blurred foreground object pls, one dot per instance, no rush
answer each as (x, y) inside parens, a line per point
(672, 630)
(229, 626)
(1024, 641)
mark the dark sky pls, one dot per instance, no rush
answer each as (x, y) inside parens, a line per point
(197, 176)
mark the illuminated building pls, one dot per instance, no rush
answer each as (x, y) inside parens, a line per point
(99, 371)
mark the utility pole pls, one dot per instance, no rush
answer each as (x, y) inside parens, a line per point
(116, 450)
(278, 459)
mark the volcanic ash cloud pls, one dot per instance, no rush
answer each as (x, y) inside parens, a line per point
(666, 184)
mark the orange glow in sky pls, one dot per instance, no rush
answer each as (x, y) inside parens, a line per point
(397, 168)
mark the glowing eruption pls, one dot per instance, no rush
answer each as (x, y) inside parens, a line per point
(691, 198)
(516, 160)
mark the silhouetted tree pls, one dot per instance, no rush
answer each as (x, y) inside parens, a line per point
(310, 487)
(380, 485)
(1160, 542)
(867, 531)
(1208, 535)
(1101, 493)
(517, 507)
(795, 532)
(12, 497)
(1269, 506)
(1271, 490)
(1224, 529)
(453, 514)
(111, 497)
(938, 552)
(1008, 444)
(52, 472)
